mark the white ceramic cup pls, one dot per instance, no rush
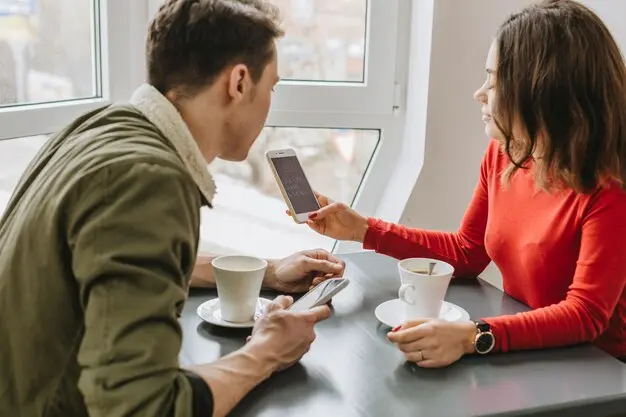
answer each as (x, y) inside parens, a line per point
(238, 280)
(422, 294)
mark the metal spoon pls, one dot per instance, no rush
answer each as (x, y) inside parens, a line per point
(431, 267)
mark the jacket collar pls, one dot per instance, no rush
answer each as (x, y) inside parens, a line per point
(162, 113)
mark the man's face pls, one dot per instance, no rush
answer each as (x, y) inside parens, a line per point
(247, 114)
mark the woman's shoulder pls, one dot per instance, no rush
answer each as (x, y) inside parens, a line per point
(611, 192)
(607, 201)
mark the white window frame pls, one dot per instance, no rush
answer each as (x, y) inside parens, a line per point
(377, 103)
(121, 27)
(375, 95)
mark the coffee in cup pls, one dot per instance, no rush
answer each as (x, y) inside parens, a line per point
(422, 293)
(238, 280)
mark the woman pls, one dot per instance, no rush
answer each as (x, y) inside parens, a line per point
(549, 208)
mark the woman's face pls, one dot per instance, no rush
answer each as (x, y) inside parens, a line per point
(486, 94)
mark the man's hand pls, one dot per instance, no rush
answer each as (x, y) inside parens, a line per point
(298, 272)
(281, 337)
(294, 274)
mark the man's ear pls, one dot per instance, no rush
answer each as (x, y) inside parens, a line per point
(174, 97)
(239, 82)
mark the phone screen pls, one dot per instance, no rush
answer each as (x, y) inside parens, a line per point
(296, 186)
(312, 297)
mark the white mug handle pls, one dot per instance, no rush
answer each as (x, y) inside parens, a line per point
(404, 292)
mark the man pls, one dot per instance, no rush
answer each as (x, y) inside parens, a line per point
(99, 241)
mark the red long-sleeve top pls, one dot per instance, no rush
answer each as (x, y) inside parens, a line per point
(561, 253)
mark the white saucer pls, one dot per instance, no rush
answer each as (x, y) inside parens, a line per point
(391, 313)
(209, 311)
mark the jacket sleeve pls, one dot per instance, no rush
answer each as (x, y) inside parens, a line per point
(132, 233)
(464, 250)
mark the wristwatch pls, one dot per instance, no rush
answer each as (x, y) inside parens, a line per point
(484, 342)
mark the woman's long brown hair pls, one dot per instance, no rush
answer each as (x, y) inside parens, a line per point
(561, 96)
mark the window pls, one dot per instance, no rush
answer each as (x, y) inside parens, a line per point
(337, 56)
(47, 53)
(61, 58)
(249, 211)
(15, 155)
(338, 65)
(337, 104)
(325, 41)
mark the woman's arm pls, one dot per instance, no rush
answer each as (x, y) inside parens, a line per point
(464, 250)
(598, 284)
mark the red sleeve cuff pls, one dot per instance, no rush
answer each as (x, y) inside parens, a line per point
(373, 234)
(499, 334)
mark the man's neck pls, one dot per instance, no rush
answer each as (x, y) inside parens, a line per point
(205, 122)
(207, 137)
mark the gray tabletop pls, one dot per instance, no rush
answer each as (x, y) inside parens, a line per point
(352, 370)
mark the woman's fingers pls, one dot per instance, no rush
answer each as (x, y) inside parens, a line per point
(419, 345)
(430, 363)
(315, 226)
(322, 199)
(425, 358)
(327, 211)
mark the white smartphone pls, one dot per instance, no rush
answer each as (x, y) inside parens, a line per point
(293, 183)
(320, 295)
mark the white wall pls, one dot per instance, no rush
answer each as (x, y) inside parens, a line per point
(613, 12)
(455, 140)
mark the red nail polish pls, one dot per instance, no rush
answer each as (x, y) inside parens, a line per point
(395, 329)
(312, 215)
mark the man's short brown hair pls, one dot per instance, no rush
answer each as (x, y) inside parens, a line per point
(190, 42)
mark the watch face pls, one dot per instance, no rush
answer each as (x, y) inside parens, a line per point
(484, 343)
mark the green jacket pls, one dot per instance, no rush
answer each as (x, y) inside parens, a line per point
(97, 246)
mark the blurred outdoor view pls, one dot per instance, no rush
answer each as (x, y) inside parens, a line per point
(335, 162)
(47, 54)
(46, 51)
(14, 158)
(324, 41)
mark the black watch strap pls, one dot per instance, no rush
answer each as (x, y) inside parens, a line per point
(482, 327)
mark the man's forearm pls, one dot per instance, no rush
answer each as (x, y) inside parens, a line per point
(202, 275)
(234, 376)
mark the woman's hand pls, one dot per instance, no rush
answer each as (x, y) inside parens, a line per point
(337, 221)
(434, 343)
